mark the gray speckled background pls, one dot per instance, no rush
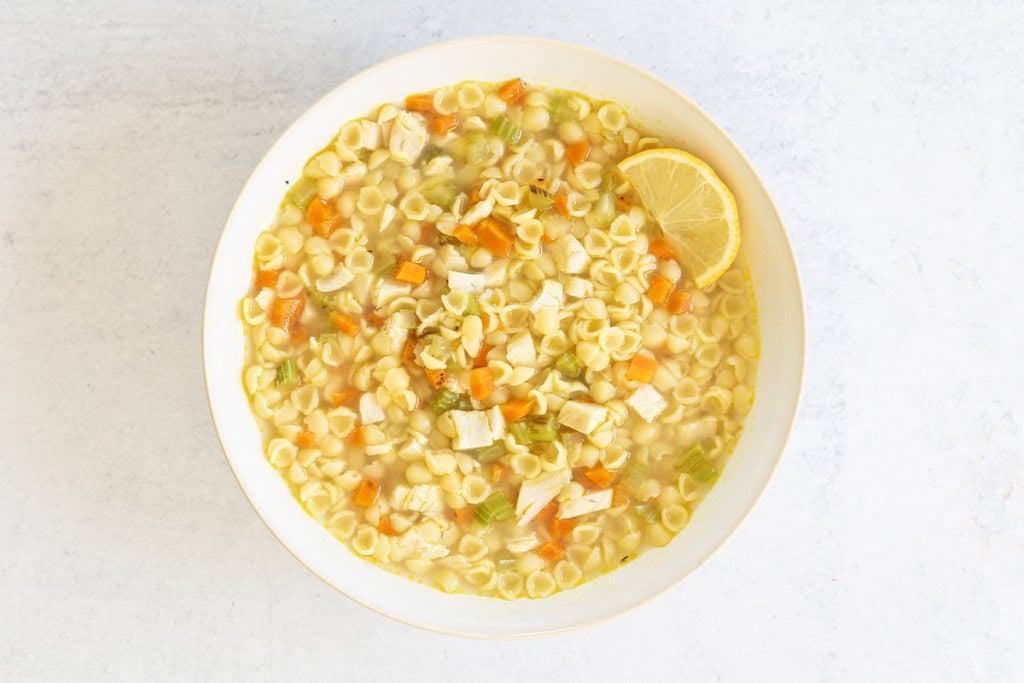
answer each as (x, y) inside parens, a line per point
(890, 544)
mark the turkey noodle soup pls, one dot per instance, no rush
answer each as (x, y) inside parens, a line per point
(474, 357)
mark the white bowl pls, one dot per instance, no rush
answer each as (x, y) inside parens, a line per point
(780, 313)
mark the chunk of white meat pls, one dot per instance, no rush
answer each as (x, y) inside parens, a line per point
(478, 212)
(451, 258)
(396, 328)
(425, 498)
(535, 493)
(520, 350)
(467, 282)
(570, 256)
(591, 502)
(583, 417)
(647, 402)
(408, 138)
(522, 544)
(418, 542)
(551, 295)
(370, 411)
(693, 432)
(497, 423)
(472, 429)
(579, 288)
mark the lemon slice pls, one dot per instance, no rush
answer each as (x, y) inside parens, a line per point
(694, 208)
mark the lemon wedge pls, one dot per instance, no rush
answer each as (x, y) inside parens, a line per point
(694, 208)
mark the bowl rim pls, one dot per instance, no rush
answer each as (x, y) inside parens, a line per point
(523, 41)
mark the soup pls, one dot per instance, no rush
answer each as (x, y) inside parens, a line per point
(472, 355)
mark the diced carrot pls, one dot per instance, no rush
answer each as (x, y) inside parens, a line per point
(426, 232)
(366, 494)
(560, 528)
(463, 516)
(619, 496)
(481, 383)
(419, 102)
(562, 203)
(660, 289)
(357, 437)
(267, 278)
(498, 472)
(299, 334)
(435, 377)
(344, 323)
(285, 312)
(485, 319)
(444, 124)
(481, 358)
(551, 551)
(547, 239)
(407, 271)
(493, 237)
(577, 152)
(374, 320)
(465, 234)
(512, 91)
(345, 396)
(623, 204)
(409, 350)
(641, 368)
(663, 250)
(680, 302)
(305, 439)
(323, 216)
(516, 409)
(599, 476)
(547, 513)
(474, 195)
(384, 526)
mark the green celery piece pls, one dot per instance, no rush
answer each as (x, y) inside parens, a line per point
(569, 365)
(476, 151)
(431, 151)
(286, 373)
(560, 110)
(543, 428)
(695, 463)
(444, 400)
(384, 264)
(497, 508)
(472, 306)
(519, 433)
(464, 403)
(488, 454)
(322, 299)
(540, 198)
(327, 337)
(506, 130)
(301, 192)
(607, 181)
(440, 192)
(634, 474)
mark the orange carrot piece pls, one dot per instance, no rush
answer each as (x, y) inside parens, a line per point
(619, 496)
(465, 234)
(323, 216)
(357, 437)
(562, 203)
(680, 302)
(409, 350)
(344, 397)
(426, 232)
(435, 377)
(560, 528)
(444, 124)
(660, 289)
(463, 516)
(493, 237)
(374, 320)
(474, 195)
(551, 551)
(663, 250)
(547, 239)
(285, 312)
(344, 323)
(481, 383)
(419, 102)
(267, 278)
(384, 526)
(512, 91)
(299, 334)
(366, 494)
(623, 204)
(481, 358)
(599, 476)
(305, 439)
(641, 368)
(498, 472)
(485, 318)
(577, 152)
(407, 271)
(516, 409)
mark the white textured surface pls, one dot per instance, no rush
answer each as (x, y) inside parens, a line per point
(890, 545)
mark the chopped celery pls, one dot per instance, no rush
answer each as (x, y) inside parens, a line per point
(569, 365)
(440, 192)
(465, 402)
(607, 181)
(542, 428)
(322, 299)
(560, 110)
(519, 433)
(634, 474)
(604, 209)
(327, 337)
(286, 373)
(384, 264)
(506, 130)
(472, 306)
(444, 400)
(476, 151)
(488, 453)
(431, 151)
(301, 192)
(497, 508)
(647, 511)
(695, 463)
(540, 198)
